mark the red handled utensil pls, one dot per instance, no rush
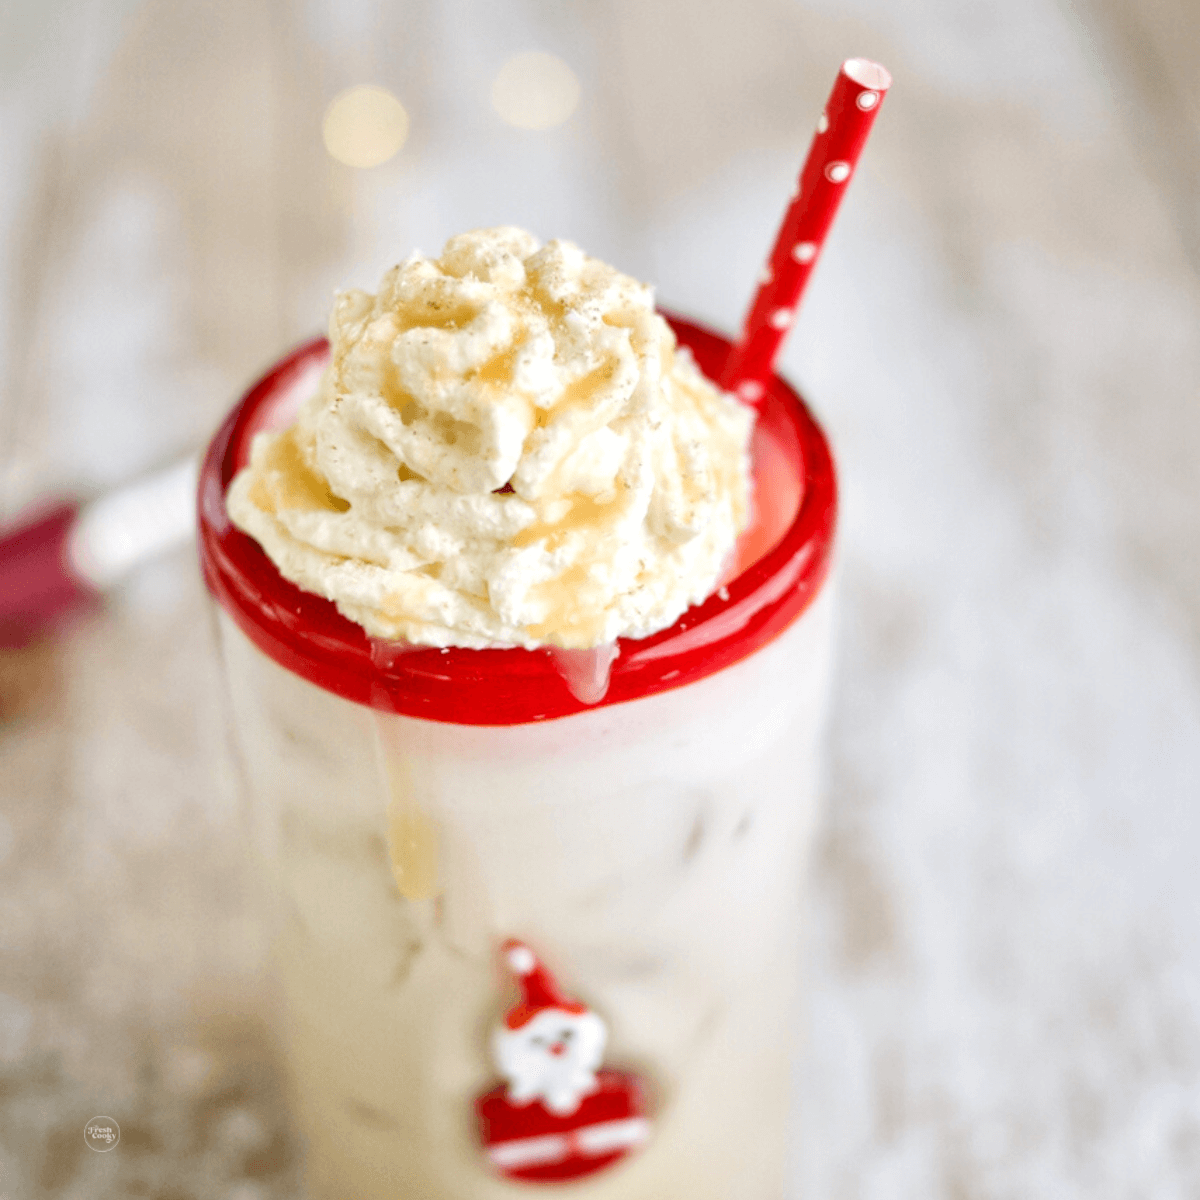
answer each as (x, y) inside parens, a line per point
(64, 557)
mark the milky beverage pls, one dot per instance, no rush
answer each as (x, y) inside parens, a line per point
(492, 925)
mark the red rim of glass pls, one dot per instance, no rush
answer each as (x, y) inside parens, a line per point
(307, 635)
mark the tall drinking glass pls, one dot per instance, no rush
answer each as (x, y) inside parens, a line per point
(446, 832)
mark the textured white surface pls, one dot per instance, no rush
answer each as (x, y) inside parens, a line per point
(1001, 338)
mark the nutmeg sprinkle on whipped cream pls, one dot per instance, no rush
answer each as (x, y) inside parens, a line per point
(506, 450)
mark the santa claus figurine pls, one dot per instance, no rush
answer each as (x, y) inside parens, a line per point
(558, 1115)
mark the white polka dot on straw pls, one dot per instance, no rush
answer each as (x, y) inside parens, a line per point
(781, 318)
(766, 274)
(837, 172)
(867, 100)
(804, 252)
(750, 390)
(823, 124)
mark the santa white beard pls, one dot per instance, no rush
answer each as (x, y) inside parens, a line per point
(533, 1070)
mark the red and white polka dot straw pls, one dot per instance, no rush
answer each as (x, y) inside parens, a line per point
(841, 134)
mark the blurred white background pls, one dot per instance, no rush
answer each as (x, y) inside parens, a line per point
(1002, 340)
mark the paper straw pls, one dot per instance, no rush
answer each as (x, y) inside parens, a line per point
(841, 134)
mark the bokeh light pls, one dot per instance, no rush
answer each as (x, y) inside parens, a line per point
(534, 90)
(364, 126)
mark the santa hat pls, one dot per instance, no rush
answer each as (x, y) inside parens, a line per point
(538, 988)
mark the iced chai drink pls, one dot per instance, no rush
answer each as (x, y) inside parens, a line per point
(527, 634)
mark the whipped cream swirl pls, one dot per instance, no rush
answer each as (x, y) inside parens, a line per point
(507, 449)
